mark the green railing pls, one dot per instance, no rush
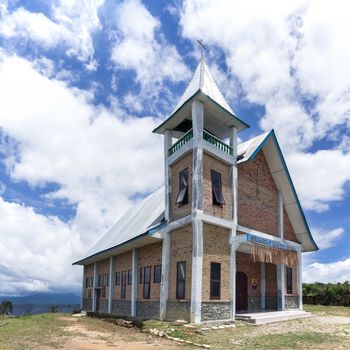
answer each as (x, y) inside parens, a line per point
(217, 143)
(184, 139)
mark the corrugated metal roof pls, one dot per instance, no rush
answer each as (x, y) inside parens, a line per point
(204, 81)
(149, 213)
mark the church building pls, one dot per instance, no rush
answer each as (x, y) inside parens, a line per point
(223, 237)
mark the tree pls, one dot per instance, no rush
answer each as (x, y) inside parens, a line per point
(6, 307)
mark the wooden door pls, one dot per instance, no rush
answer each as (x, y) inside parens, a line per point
(241, 291)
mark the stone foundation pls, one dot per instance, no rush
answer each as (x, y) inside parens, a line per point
(147, 309)
(271, 303)
(87, 304)
(291, 302)
(216, 310)
(121, 307)
(178, 310)
(254, 303)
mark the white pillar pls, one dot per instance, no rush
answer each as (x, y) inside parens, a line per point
(262, 285)
(94, 287)
(233, 270)
(197, 209)
(83, 289)
(300, 280)
(167, 173)
(281, 287)
(234, 184)
(111, 283)
(164, 286)
(134, 282)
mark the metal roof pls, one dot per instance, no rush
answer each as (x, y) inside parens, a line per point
(147, 217)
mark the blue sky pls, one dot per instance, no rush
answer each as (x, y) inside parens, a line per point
(83, 84)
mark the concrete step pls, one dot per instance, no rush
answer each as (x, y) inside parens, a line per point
(271, 317)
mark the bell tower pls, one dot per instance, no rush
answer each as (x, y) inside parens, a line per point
(200, 162)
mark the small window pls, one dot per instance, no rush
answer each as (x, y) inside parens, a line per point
(215, 280)
(89, 293)
(157, 276)
(147, 282)
(107, 277)
(86, 282)
(180, 280)
(130, 277)
(117, 279)
(141, 275)
(182, 197)
(123, 286)
(289, 280)
(103, 292)
(216, 185)
(99, 281)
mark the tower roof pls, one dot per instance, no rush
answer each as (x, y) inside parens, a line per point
(219, 115)
(204, 81)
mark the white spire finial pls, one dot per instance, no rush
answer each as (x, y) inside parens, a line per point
(202, 47)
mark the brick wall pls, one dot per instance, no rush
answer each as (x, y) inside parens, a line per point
(216, 248)
(245, 263)
(180, 250)
(288, 229)
(123, 263)
(149, 255)
(177, 211)
(211, 163)
(271, 280)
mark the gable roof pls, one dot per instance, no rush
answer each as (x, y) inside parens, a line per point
(147, 217)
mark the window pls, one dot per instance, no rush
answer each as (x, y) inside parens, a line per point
(180, 280)
(88, 282)
(141, 275)
(218, 198)
(123, 287)
(89, 293)
(289, 280)
(130, 277)
(157, 274)
(103, 292)
(182, 197)
(215, 280)
(117, 279)
(107, 277)
(147, 282)
(99, 281)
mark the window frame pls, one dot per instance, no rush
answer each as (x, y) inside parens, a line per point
(217, 194)
(129, 277)
(215, 281)
(123, 285)
(182, 281)
(159, 279)
(182, 196)
(117, 278)
(141, 275)
(289, 282)
(147, 284)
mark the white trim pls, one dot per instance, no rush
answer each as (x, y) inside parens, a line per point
(95, 281)
(134, 282)
(83, 289)
(167, 173)
(280, 215)
(186, 148)
(262, 285)
(111, 283)
(300, 281)
(281, 305)
(233, 269)
(164, 286)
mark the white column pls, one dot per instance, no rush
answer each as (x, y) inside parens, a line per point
(111, 283)
(300, 280)
(197, 209)
(262, 285)
(134, 282)
(83, 289)
(167, 174)
(164, 286)
(280, 267)
(234, 246)
(280, 287)
(234, 184)
(94, 287)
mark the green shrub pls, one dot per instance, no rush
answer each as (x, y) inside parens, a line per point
(337, 294)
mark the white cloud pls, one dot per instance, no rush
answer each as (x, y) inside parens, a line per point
(338, 271)
(71, 25)
(57, 136)
(140, 47)
(327, 238)
(293, 59)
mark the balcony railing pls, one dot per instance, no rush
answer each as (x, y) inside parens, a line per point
(217, 143)
(206, 136)
(177, 145)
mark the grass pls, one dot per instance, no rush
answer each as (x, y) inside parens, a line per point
(328, 310)
(29, 332)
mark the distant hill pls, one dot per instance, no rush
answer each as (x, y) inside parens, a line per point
(44, 299)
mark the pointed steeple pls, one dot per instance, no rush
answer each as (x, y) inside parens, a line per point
(203, 80)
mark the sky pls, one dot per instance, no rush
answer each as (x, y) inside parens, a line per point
(84, 82)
